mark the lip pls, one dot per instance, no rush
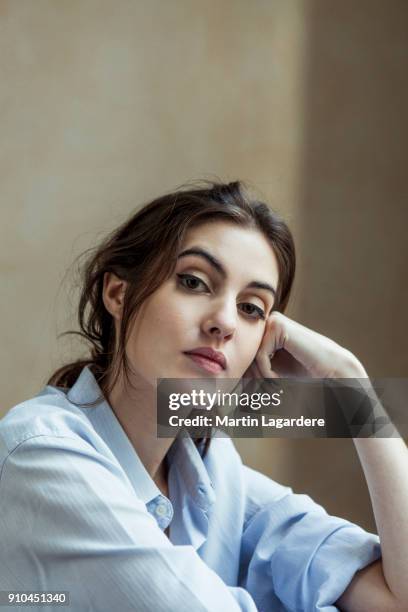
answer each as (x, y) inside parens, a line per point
(208, 358)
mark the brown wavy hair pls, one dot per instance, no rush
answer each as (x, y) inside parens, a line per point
(143, 251)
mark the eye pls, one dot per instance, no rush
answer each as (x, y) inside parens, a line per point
(254, 312)
(189, 281)
(195, 284)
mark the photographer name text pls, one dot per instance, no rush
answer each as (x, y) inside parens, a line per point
(244, 421)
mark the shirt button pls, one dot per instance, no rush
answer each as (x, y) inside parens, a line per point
(161, 510)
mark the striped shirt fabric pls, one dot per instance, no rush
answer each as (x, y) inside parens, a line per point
(80, 513)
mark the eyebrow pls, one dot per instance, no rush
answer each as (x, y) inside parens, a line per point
(255, 284)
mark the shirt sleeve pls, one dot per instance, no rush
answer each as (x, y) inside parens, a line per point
(295, 556)
(70, 520)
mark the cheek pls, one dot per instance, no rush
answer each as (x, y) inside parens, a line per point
(253, 338)
(249, 346)
(250, 356)
(173, 319)
(165, 318)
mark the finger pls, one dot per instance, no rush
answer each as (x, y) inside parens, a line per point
(301, 342)
(263, 361)
(253, 371)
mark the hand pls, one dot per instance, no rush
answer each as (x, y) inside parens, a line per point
(289, 349)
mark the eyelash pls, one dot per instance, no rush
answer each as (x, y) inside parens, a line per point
(186, 277)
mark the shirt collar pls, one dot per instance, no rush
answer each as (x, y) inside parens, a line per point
(183, 454)
(106, 424)
(185, 457)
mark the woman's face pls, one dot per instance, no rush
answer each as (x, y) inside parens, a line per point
(219, 297)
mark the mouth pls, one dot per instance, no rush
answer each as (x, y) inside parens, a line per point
(209, 360)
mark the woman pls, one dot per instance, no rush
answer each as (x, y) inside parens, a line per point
(92, 502)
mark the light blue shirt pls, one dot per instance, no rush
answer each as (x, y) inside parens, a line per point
(80, 513)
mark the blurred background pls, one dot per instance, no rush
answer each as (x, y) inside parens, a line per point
(108, 103)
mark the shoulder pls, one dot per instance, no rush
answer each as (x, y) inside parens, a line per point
(50, 451)
(48, 414)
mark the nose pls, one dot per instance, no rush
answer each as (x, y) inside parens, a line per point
(221, 322)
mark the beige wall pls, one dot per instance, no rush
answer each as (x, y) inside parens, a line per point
(353, 219)
(108, 103)
(105, 104)
(354, 213)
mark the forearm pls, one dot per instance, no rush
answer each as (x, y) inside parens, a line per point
(385, 465)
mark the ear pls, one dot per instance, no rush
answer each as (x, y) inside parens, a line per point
(113, 294)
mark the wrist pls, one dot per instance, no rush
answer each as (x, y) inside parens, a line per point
(351, 367)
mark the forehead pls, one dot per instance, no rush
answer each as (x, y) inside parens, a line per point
(241, 250)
